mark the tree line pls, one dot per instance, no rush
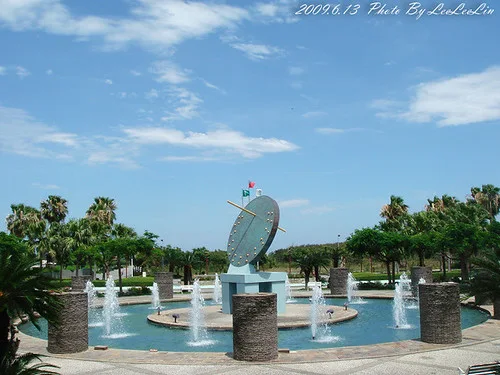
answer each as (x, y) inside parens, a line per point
(97, 240)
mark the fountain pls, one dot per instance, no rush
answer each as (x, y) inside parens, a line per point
(155, 295)
(352, 290)
(111, 311)
(217, 293)
(320, 331)
(91, 298)
(199, 335)
(399, 304)
(288, 291)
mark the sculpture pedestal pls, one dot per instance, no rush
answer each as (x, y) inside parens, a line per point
(259, 282)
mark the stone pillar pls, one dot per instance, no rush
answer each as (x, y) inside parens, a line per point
(440, 313)
(338, 281)
(496, 308)
(78, 283)
(72, 334)
(255, 327)
(165, 281)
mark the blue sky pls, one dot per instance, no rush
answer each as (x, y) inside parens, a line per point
(170, 107)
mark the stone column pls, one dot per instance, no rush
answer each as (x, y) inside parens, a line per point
(440, 313)
(338, 281)
(78, 283)
(496, 308)
(165, 281)
(255, 327)
(418, 273)
(72, 334)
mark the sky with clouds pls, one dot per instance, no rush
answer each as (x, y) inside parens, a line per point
(170, 107)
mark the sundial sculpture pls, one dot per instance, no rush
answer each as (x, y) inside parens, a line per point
(251, 235)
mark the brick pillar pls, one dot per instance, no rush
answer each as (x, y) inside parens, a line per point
(440, 313)
(255, 327)
(165, 281)
(72, 334)
(78, 282)
(338, 281)
(418, 273)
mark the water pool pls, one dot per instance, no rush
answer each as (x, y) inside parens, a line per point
(373, 325)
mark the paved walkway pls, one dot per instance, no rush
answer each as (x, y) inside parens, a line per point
(480, 344)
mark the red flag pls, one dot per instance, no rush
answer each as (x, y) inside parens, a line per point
(251, 184)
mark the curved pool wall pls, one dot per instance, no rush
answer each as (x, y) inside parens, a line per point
(373, 325)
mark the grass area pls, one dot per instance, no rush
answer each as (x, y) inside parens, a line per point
(369, 276)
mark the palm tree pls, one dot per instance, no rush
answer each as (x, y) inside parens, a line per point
(78, 239)
(23, 290)
(102, 210)
(17, 220)
(394, 210)
(485, 283)
(488, 197)
(121, 231)
(394, 214)
(54, 209)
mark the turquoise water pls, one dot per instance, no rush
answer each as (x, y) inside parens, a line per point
(373, 325)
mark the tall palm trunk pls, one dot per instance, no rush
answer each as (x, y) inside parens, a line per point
(464, 270)
(307, 274)
(443, 260)
(393, 272)
(388, 269)
(119, 264)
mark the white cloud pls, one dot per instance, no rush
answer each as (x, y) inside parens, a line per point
(465, 99)
(258, 51)
(296, 85)
(280, 11)
(108, 82)
(212, 86)
(295, 70)
(135, 73)
(173, 21)
(45, 186)
(294, 203)
(188, 158)
(49, 72)
(268, 10)
(313, 114)
(222, 140)
(21, 134)
(22, 72)
(3, 70)
(152, 94)
(169, 72)
(185, 102)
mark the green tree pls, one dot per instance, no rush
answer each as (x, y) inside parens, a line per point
(383, 246)
(23, 290)
(485, 283)
(488, 197)
(78, 240)
(303, 258)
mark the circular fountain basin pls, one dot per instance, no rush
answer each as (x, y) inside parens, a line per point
(296, 316)
(373, 325)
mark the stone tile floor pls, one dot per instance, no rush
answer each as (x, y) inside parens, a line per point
(480, 344)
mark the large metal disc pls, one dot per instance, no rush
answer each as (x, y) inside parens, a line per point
(250, 235)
